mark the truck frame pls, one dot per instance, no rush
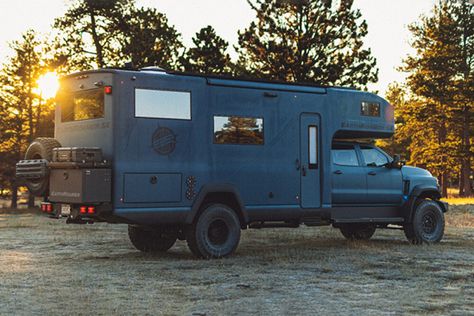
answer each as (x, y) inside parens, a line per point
(197, 157)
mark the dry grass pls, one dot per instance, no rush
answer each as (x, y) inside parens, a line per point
(48, 267)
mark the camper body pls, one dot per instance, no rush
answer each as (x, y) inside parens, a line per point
(190, 157)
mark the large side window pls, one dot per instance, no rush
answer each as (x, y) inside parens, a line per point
(238, 130)
(373, 157)
(163, 104)
(344, 155)
(82, 105)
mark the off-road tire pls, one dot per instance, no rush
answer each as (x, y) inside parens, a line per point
(152, 239)
(40, 148)
(215, 233)
(357, 231)
(427, 225)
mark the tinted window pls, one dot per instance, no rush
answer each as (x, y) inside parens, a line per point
(238, 130)
(82, 105)
(162, 104)
(370, 109)
(373, 157)
(344, 155)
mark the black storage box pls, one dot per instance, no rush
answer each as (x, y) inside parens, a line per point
(80, 186)
(77, 154)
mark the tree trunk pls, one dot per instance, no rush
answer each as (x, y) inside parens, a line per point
(466, 157)
(31, 200)
(14, 200)
(95, 38)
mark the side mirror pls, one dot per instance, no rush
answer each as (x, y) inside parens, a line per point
(397, 162)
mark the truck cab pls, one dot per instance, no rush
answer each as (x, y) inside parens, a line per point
(199, 158)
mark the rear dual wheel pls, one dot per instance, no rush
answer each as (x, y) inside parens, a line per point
(156, 239)
(215, 233)
(357, 231)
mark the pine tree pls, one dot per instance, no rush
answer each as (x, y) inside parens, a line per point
(87, 33)
(21, 106)
(307, 41)
(208, 54)
(113, 32)
(147, 39)
(439, 78)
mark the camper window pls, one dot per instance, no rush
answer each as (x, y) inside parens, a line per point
(238, 130)
(370, 109)
(163, 104)
(82, 105)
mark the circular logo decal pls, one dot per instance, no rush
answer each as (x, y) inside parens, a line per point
(163, 141)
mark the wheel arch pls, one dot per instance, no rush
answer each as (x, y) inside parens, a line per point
(421, 192)
(219, 193)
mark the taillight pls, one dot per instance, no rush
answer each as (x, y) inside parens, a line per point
(91, 210)
(43, 207)
(49, 208)
(83, 209)
(108, 90)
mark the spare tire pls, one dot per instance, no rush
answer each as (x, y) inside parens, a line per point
(40, 148)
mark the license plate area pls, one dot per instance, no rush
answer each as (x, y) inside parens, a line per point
(65, 209)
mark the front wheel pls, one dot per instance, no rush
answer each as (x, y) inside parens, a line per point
(357, 231)
(215, 233)
(427, 225)
(158, 239)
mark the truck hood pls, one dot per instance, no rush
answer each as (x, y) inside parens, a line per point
(408, 171)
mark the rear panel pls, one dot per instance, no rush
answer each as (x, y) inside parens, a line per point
(83, 115)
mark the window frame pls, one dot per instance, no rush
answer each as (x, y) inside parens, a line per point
(355, 148)
(369, 103)
(213, 116)
(313, 165)
(389, 159)
(73, 93)
(162, 118)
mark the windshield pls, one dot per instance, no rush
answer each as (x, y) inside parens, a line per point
(82, 105)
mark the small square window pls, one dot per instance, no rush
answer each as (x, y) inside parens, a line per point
(370, 109)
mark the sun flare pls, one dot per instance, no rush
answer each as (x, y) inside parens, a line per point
(48, 85)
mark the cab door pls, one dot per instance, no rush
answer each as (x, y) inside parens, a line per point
(384, 185)
(349, 181)
(309, 165)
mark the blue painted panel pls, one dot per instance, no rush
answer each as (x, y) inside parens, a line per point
(152, 187)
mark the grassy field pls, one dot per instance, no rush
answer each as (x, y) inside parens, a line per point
(48, 267)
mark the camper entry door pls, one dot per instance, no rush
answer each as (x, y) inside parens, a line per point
(310, 167)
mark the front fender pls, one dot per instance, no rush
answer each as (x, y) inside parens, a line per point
(421, 192)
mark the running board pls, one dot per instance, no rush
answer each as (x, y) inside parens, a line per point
(385, 220)
(259, 225)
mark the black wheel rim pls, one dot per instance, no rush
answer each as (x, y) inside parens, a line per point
(218, 232)
(429, 223)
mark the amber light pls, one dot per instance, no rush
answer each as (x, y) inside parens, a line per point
(108, 90)
(83, 210)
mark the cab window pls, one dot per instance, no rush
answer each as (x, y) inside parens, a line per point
(344, 155)
(373, 157)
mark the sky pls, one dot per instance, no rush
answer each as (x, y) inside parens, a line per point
(387, 20)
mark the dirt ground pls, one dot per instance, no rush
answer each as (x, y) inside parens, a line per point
(48, 267)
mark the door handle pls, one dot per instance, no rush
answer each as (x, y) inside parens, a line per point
(372, 173)
(298, 164)
(303, 171)
(338, 172)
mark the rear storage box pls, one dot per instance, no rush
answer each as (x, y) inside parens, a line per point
(80, 186)
(77, 154)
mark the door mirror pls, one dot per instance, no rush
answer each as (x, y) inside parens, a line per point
(396, 162)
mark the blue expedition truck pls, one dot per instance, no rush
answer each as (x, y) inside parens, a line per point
(198, 158)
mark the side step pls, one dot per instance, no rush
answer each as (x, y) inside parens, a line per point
(384, 220)
(258, 225)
